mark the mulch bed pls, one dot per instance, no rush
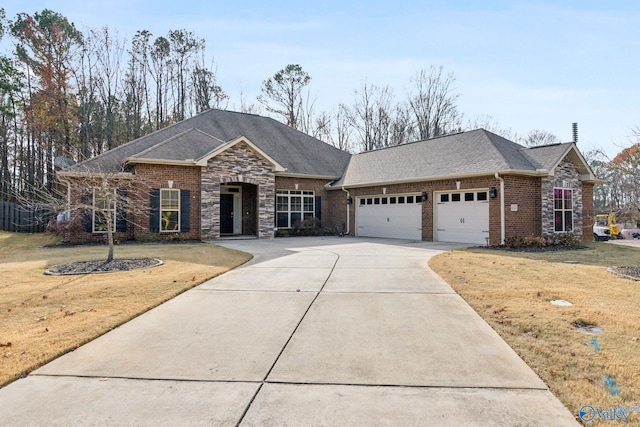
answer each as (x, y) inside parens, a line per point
(548, 248)
(100, 266)
(632, 273)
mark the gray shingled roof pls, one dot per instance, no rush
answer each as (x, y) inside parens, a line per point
(475, 152)
(195, 137)
(548, 155)
(190, 144)
(463, 154)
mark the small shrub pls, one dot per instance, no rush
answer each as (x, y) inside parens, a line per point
(173, 237)
(330, 231)
(71, 230)
(147, 237)
(534, 242)
(566, 239)
(513, 242)
(282, 232)
(308, 227)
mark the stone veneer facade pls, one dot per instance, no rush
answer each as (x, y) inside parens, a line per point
(239, 164)
(566, 176)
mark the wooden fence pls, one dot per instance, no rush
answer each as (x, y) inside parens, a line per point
(14, 217)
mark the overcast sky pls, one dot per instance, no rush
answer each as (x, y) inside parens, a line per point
(529, 65)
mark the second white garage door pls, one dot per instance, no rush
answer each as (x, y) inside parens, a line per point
(394, 217)
(462, 216)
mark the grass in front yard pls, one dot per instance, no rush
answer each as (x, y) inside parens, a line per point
(42, 317)
(512, 292)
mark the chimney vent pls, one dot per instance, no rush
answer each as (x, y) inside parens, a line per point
(575, 133)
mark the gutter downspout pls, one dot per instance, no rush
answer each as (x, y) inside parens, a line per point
(502, 221)
(347, 191)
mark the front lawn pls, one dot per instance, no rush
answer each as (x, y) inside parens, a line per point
(42, 317)
(512, 292)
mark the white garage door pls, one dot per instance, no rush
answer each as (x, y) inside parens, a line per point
(395, 217)
(462, 216)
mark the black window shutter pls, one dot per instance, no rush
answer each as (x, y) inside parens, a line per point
(87, 221)
(154, 214)
(318, 212)
(185, 210)
(121, 211)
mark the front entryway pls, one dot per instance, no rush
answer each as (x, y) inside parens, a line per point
(230, 210)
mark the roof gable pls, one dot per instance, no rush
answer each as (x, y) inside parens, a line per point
(202, 161)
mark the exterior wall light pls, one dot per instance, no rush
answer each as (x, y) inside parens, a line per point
(424, 197)
(349, 200)
(493, 193)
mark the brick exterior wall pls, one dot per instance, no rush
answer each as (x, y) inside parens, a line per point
(588, 214)
(522, 208)
(528, 200)
(238, 165)
(158, 176)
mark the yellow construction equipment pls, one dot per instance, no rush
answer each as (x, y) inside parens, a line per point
(606, 227)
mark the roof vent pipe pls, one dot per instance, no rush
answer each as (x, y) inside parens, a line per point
(575, 132)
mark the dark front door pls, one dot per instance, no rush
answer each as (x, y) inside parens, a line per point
(226, 214)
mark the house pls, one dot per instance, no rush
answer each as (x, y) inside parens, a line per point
(224, 173)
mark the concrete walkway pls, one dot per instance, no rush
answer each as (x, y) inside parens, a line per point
(312, 331)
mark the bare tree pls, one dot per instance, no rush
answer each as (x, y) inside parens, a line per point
(206, 92)
(99, 203)
(285, 90)
(401, 130)
(487, 122)
(184, 45)
(370, 116)
(306, 117)
(321, 127)
(432, 102)
(245, 106)
(136, 102)
(343, 128)
(159, 69)
(537, 137)
(108, 49)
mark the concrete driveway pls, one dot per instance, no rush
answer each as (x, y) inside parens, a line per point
(312, 331)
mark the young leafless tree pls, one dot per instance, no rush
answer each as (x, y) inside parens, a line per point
(432, 101)
(537, 137)
(103, 203)
(487, 122)
(370, 116)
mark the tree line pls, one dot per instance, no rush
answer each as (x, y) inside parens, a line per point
(620, 194)
(68, 95)
(71, 95)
